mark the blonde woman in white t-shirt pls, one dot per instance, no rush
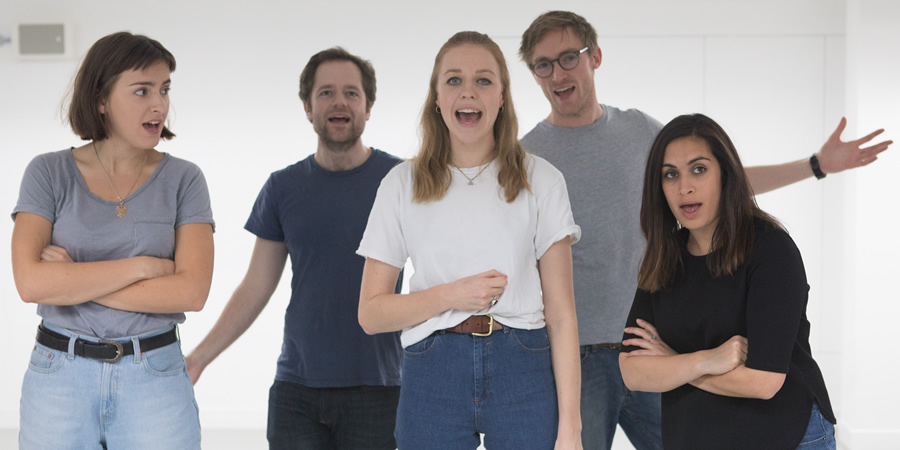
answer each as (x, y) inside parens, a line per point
(489, 330)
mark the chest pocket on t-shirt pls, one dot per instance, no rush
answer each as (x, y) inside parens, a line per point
(154, 236)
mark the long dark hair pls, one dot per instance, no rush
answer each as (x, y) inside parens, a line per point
(738, 211)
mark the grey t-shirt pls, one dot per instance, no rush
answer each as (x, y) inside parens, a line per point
(87, 227)
(603, 164)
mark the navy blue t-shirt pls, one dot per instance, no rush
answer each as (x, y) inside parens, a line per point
(320, 216)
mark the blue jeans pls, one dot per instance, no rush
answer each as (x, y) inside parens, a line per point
(605, 402)
(142, 401)
(819, 433)
(360, 417)
(458, 385)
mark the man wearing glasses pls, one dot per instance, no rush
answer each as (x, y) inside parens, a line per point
(602, 151)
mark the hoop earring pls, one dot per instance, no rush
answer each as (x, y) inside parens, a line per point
(437, 109)
(501, 110)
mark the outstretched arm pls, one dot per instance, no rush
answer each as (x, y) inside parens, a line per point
(45, 274)
(834, 156)
(247, 301)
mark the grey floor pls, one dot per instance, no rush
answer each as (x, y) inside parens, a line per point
(218, 439)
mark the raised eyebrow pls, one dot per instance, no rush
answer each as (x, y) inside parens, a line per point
(545, 58)
(699, 158)
(149, 83)
(477, 71)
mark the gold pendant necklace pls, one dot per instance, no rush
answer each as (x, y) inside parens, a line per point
(121, 209)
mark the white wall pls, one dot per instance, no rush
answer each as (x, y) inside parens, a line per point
(772, 72)
(868, 213)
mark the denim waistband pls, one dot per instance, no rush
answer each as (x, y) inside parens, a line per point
(92, 338)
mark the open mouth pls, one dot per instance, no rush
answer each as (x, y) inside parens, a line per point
(468, 116)
(690, 208)
(564, 91)
(339, 118)
(152, 126)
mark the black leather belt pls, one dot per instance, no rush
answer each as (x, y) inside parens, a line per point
(613, 345)
(107, 351)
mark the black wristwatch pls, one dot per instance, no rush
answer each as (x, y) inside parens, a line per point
(814, 164)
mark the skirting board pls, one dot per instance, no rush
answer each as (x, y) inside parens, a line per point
(858, 438)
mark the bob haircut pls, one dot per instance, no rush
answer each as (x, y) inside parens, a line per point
(308, 76)
(104, 62)
(431, 166)
(556, 21)
(738, 212)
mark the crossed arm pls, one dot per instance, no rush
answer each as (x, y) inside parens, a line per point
(656, 367)
(834, 156)
(45, 274)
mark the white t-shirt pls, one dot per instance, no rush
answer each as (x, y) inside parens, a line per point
(472, 230)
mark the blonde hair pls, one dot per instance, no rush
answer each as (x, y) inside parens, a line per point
(431, 166)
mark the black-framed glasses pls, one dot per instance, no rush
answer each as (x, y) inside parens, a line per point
(567, 61)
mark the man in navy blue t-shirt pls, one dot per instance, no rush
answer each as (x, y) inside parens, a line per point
(335, 386)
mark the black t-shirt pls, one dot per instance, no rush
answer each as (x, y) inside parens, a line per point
(765, 301)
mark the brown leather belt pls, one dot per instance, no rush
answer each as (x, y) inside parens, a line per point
(477, 325)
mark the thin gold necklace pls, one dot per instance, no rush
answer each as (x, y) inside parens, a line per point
(121, 209)
(472, 180)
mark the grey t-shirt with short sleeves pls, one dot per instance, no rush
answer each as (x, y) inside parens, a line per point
(87, 227)
(604, 168)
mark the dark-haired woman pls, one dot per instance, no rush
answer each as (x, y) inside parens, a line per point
(489, 323)
(113, 242)
(718, 323)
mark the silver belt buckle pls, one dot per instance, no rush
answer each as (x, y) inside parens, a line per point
(119, 350)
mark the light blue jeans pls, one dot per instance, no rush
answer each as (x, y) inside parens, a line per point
(457, 385)
(142, 401)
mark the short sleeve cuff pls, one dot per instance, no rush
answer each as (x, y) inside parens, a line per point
(572, 231)
(369, 253)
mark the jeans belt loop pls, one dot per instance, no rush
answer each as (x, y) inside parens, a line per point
(71, 352)
(137, 349)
